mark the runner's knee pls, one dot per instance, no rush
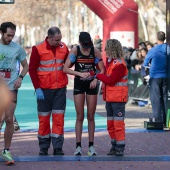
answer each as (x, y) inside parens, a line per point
(80, 117)
(9, 120)
(90, 117)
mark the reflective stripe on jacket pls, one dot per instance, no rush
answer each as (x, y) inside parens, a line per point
(119, 91)
(50, 70)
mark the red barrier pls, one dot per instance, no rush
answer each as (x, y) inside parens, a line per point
(120, 20)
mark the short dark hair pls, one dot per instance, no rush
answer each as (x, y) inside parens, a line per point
(52, 31)
(5, 25)
(142, 44)
(144, 48)
(161, 36)
(150, 44)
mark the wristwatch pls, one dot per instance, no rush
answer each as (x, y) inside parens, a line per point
(21, 76)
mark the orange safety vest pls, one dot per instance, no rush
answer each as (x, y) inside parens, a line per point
(119, 91)
(50, 70)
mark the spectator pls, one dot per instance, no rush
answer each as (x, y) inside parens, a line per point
(141, 60)
(98, 42)
(149, 46)
(128, 57)
(146, 43)
(141, 45)
(155, 44)
(156, 59)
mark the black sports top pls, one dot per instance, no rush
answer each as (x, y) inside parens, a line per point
(85, 63)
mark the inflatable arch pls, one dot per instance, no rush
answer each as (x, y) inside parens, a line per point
(120, 20)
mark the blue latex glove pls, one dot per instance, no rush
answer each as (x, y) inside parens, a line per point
(39, 94)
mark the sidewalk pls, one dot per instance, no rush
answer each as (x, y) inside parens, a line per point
(144, 149)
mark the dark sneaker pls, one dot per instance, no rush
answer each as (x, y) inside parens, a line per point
(119, 152)
(58, 152)
(43, 151)
(112, 152)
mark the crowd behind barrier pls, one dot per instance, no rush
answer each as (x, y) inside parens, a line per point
(138, 90)
(138, 75)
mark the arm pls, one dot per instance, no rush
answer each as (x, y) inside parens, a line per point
(69, 63)
(33, 66)
(24, 71)
(100, 65)
(66, 55)
(25, 67)
(116, 76)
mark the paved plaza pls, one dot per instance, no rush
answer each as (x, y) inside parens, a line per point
(144, 149)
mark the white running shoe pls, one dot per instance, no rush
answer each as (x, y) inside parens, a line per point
(7, 157)
(91, 151)
(78, 151)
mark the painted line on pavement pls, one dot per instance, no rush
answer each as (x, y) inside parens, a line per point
(138, 130)
(161, 158)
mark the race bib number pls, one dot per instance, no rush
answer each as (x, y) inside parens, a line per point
(5, 74)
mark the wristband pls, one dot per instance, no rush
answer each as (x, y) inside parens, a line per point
(21, 76)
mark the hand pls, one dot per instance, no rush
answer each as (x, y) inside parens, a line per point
(137, 67)
(84, 75)
(93, 84)
(17, 83)
(39, 94)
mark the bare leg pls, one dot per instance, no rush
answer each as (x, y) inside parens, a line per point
(91, 108)
(9, 129)
(5, 97)
(79, 105)
(14, 119)
(2, 120)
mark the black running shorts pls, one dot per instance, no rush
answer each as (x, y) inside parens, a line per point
(83, 86)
